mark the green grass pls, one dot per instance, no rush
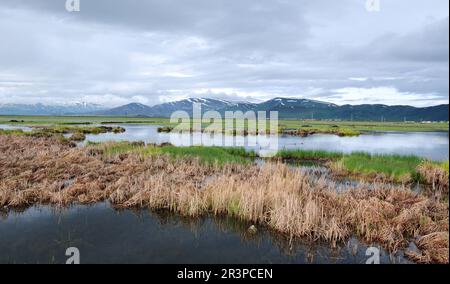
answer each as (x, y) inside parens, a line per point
(209, 155)
(396, 167)
(346, 127)
(12, 132)
(308, 155)
(20, 132)
(78, 132)
(114, 148)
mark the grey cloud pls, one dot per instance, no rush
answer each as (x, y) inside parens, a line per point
(120, 51)
(428, 44)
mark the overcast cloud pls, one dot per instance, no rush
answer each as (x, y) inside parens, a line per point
(114, 52)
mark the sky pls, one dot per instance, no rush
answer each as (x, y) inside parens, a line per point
(114, 52)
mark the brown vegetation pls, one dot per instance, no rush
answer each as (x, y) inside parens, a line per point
(290, 201)
(437, 176)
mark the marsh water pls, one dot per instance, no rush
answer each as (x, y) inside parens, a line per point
(430, 145)
(104, 235)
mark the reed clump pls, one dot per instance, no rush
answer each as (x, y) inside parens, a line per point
(77, 136)
(64, 129)
(78, 133)
(435, 174)
(293, 202)
(306, 131)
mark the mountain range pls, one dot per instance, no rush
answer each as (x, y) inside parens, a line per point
(43, 109)
(288, 108)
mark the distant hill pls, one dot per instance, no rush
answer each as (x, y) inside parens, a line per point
(288, 108)
(133, 109)
(41, 109)
(166, 109)
(310, 109)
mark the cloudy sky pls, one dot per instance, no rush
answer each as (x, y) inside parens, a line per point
(114, 52)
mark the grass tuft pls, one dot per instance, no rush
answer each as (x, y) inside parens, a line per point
(396, 167)
(209, 155)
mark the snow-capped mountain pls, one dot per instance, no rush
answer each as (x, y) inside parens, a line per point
(43, 109)
(292, 103)
(165, 109)
(288, 108)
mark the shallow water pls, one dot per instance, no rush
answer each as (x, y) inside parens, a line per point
(430, 145)
(14, 127)
(103, 235)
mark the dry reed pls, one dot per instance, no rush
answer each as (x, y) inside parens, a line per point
(435, 175)
(291, 201)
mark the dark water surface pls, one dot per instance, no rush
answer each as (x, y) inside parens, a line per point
(103, 235)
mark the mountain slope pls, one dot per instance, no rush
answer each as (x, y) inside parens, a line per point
(186, 105)
(288, 108)
(41, 109)
(133, 109)
(166, 109)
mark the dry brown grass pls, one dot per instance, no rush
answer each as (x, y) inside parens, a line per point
(435, 175)
(293, 202)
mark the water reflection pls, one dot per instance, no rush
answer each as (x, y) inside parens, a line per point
(431, 145)
(104, 235)
(15, 127)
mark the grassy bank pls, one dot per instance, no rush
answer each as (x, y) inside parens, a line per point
(62, 129)
(394, 168)
(363, 126)
(308, 155)
(209, 155)
(302, 132)
(287, 200)
(391, 168)
(307, 131)
(77, 133)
